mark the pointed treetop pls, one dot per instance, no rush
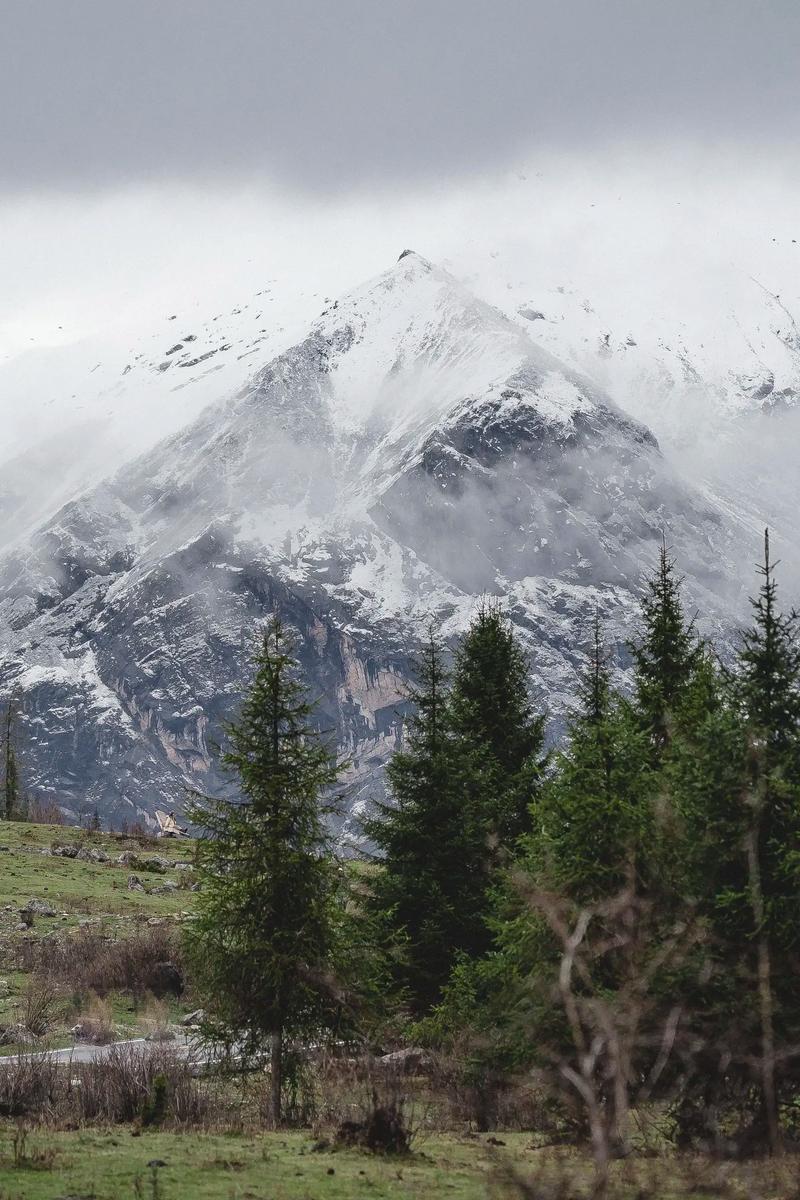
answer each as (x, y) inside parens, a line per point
(770, 661)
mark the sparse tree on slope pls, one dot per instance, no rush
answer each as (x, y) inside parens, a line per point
(11, 788)
(262, 938)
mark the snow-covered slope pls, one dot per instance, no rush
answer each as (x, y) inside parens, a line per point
(415, 450)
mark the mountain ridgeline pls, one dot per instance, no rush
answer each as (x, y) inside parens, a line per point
(416, 451)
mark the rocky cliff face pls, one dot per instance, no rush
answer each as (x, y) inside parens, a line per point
(415, 450)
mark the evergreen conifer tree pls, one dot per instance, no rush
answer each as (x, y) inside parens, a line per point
(428, 896)
(592, 836)
(594, 820)
(492, 713)
(737, 782)
(262, 937)
(11, 786)
(666, 654)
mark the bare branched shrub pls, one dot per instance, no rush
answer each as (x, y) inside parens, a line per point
(147, 961)
(119, 1087)
(42, 1004)
(562, 1177)
(114, 1089)
(95, 1025)
(30, 1086)
(45, 812)
(622, 1039)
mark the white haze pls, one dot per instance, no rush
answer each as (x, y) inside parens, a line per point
(653, 242)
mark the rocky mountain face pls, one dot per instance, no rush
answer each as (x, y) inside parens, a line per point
(415, 450)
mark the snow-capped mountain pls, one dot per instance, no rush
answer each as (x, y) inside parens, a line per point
(416, 449)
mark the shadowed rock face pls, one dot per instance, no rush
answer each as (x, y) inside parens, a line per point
(414, 451)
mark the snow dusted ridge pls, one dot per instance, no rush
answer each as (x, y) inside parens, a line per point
(415, 450)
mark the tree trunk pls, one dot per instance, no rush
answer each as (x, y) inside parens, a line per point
(276, 1080)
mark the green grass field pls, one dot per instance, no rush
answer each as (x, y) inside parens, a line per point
(82, 889)
(121, 1164)
(115, 1165)
(82, 893)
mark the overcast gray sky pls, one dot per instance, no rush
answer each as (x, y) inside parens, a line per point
(339, 95)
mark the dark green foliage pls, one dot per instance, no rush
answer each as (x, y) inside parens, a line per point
(736, 771)
(262, 939)
(154, 1109)
(428, 897)
(735, 776)
(592, 828)
(492, 712)
(767, 684)
(462, 788)
(12, 797)
(595, 819)
(666, 654)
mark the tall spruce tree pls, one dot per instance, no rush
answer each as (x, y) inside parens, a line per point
(592, 829)
(262, 936)
(737, 783)
(594, 822)
(493, 714)
(428, 896)
(666, 653)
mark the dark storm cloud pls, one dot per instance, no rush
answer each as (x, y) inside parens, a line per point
(340, 93)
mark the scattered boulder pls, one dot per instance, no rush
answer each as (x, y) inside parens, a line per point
(16, 1035)
(193, 1018)
(169, 885)
(182, 866)
(39, 908)
(128, 858)
(411, 1060)
(5, 989)
(94, 856)
(65, 851)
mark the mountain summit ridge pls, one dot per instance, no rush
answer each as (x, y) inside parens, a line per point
(415, 450)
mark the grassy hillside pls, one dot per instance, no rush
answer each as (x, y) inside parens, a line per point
(83, 895)
(82, 888)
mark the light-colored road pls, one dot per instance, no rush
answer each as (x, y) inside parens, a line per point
(184, 1045)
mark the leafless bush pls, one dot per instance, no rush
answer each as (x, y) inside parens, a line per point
(147, 961)
(113, 1090)
(45, 812)
(117, 1088)
(42, 1004)
(564, 1177)
(138, 833)
(623, 1038)
(95, 1025)
(30, 1086)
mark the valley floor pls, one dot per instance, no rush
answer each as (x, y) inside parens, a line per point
(124, 1164)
